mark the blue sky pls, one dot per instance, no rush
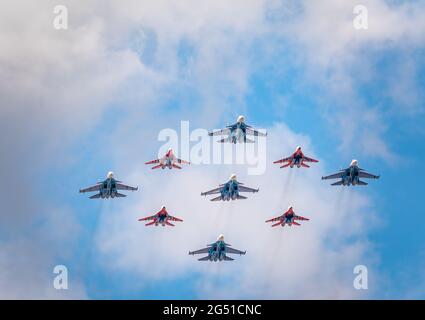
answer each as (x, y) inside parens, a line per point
(94, 98)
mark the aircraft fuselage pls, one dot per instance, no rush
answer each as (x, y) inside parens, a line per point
(351, 176)
(108, 188)
(296, 161)
(238, 133)
(168, 163)
(162, 218)
(230, 191)
(217, 251)
(289, 218)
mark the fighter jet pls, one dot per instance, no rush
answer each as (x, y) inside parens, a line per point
(288, 218)
(237, 133)
(351, 176)
(229, 190)
(161, 218)
(296, 159)
(169, 161)
(108, 188)
(217, 251)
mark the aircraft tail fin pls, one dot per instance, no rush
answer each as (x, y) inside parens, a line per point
(204, 258)
(157, 167)
(338, 183)
(120, 195)
(362, 183)
(216, 198)
(305, 165)
(176, 166)
(240, 197)
(226, 258)
(169, 224)
(285, 165)
(295, 223)
(277, 224)
(95, 196)
(248, 141)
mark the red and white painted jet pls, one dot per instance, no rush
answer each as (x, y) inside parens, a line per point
(168, 161)
(288, 218)
(161, 218)
(296, 159)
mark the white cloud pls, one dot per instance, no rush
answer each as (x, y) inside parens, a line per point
(53, 86)
(341, 59)
(326, 29)
(27, 259)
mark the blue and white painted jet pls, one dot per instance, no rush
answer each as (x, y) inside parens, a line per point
(217, 251)
(230, 190)
(108, 188)
(351, 176)
(237, 133)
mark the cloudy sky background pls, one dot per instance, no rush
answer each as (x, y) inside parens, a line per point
(77, 103)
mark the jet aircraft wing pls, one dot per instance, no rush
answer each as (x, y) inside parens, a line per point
(274, 219)
(148, 218)
(284, 160)
(152, 161)
(221, 132)
(301, 218)
(247, 189)
(334, 176)
(92, 188)
(213, 191)
(234, 251)
(121, 186)
(204, 250)
(364, 174)
(174, 218)
(255, 132)
(310, 159)
(182, 161)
